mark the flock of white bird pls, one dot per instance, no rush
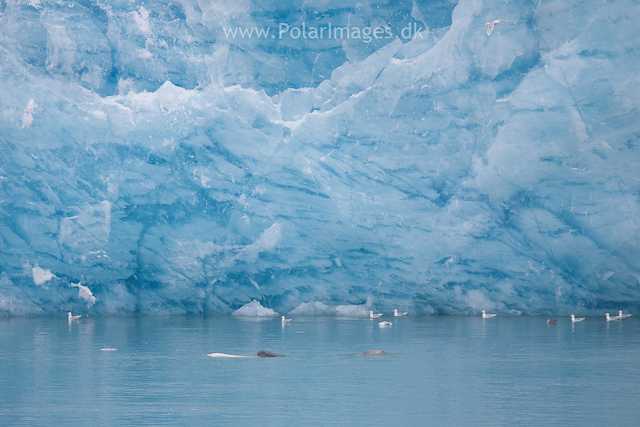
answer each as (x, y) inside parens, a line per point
(386, 324)
(396, 313)
(372, 315)
(574, 319)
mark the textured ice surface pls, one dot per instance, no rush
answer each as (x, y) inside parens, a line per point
(254, 309)
(154, 164)
(313, 309)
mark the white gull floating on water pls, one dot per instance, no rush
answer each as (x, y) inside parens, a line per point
(72, 317)
(609, 318)
(385, 324)
(487, 316)
(285, 320)
(575, 319)
(623, 316)
(373, 315)
(396, 314)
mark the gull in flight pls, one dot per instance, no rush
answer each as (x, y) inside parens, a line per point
(285, 321)
(493, 23)
(396, 314)
(622, 316)
(72, 317)
(373, 315)
(487, 316)
(575, 319)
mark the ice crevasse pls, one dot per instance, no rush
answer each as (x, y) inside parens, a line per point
(153, 163)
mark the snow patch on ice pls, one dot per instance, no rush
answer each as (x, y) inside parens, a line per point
(141, 18)
(27, 115)
(41, 276)
(85, 293)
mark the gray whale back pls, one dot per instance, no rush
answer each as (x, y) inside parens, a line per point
(263, 353)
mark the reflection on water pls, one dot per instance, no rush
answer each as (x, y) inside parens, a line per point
(445, 370)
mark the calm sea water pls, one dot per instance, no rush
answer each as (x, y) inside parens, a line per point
(449, 371)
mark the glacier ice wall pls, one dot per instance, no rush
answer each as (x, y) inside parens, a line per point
(150, 163)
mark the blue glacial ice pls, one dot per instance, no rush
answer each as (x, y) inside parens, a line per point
(152, 162)
(254, 310)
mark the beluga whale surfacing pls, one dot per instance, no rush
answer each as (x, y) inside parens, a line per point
(261, 353)
(372, 353)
